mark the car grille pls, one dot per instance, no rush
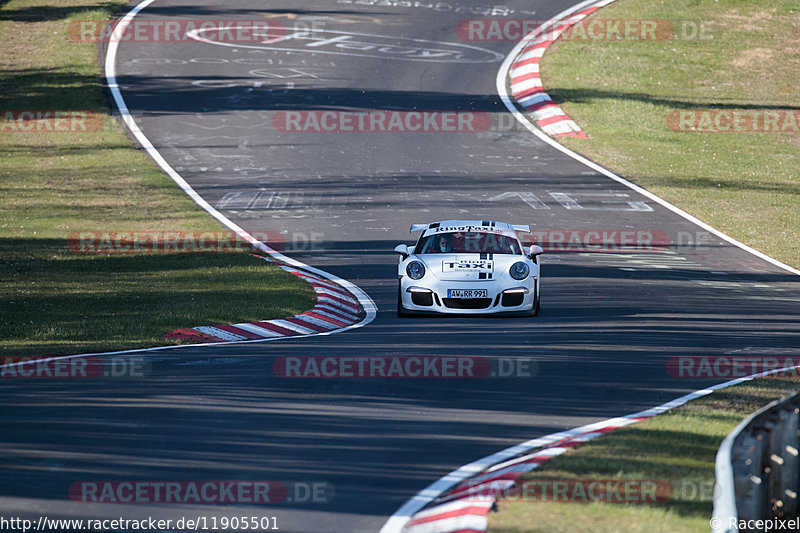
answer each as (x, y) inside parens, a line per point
(467, 303)
(422, 298)
(513, 299)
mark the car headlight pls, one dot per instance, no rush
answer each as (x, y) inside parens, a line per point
(519, 270)
(415, 270)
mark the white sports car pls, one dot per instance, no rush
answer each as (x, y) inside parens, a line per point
(468, 267)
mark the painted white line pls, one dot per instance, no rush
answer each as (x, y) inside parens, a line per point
(338, 304)
(531, 68)
(338, 311)
(218, 333)
(366, 302)
(403, 515)
(441, 46)
(467, 522)
(294, 327)
(399, 519)
(313, 320)
(111, 76)
(321, 292)
(110, 67)
(456, 505)
(495, 472)
(322, 312)
(548, 112)
(252, 328)
(532, 54)
(534, 99)
(528, 84)
(504, 95)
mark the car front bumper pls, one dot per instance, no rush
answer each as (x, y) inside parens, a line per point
(502, 297)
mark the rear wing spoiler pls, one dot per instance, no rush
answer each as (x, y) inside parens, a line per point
(522, 228)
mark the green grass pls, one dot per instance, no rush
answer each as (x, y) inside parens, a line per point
(678, 447)
(53, 301)
(746, 184)
(621, 93)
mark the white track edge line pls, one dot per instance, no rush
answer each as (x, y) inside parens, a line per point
(402, 516)
(504, 95)
(363, 298)
(110, 74)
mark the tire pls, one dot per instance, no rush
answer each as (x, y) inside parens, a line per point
(401, 311)
(537, 302)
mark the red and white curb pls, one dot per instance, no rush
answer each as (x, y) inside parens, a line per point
(464, 506)
(454, 503)
(335, 310)
(525, 83)
(460, 501)
(332, 307)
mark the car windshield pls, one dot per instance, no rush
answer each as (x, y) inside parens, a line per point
(466, 242)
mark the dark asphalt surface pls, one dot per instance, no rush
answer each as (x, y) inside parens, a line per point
(609, 320)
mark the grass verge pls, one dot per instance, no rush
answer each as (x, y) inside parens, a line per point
(677, 447)
(622, 93)
(92, 178)
(744, 183)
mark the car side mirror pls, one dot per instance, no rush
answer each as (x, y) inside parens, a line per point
(535, 251)
(402, 249)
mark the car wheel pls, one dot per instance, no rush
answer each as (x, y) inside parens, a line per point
(401, 311)
(536, 302)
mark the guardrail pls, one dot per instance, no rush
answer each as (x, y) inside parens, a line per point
(757, 468)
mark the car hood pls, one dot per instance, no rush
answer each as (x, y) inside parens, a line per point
(469, 267)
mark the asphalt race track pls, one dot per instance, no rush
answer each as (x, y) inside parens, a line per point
(341, 201)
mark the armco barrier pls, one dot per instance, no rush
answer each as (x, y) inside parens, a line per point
(757, 468)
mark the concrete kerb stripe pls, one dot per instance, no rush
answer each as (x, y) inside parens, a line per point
(525, 82)
(362, 299)
(537, 99)
(443, 496)
(556, 443)
(366, 303)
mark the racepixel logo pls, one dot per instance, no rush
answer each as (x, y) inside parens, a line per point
(610, 240)
(734, 120)
(577, 490)
(90, 367)
(201, 492)
(397, 367)
(591, 30)
(105, 242)
(730, 366)
(380, 121)
(169, 31)
(50, 121)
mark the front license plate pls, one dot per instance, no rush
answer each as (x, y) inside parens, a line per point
(466, 293)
